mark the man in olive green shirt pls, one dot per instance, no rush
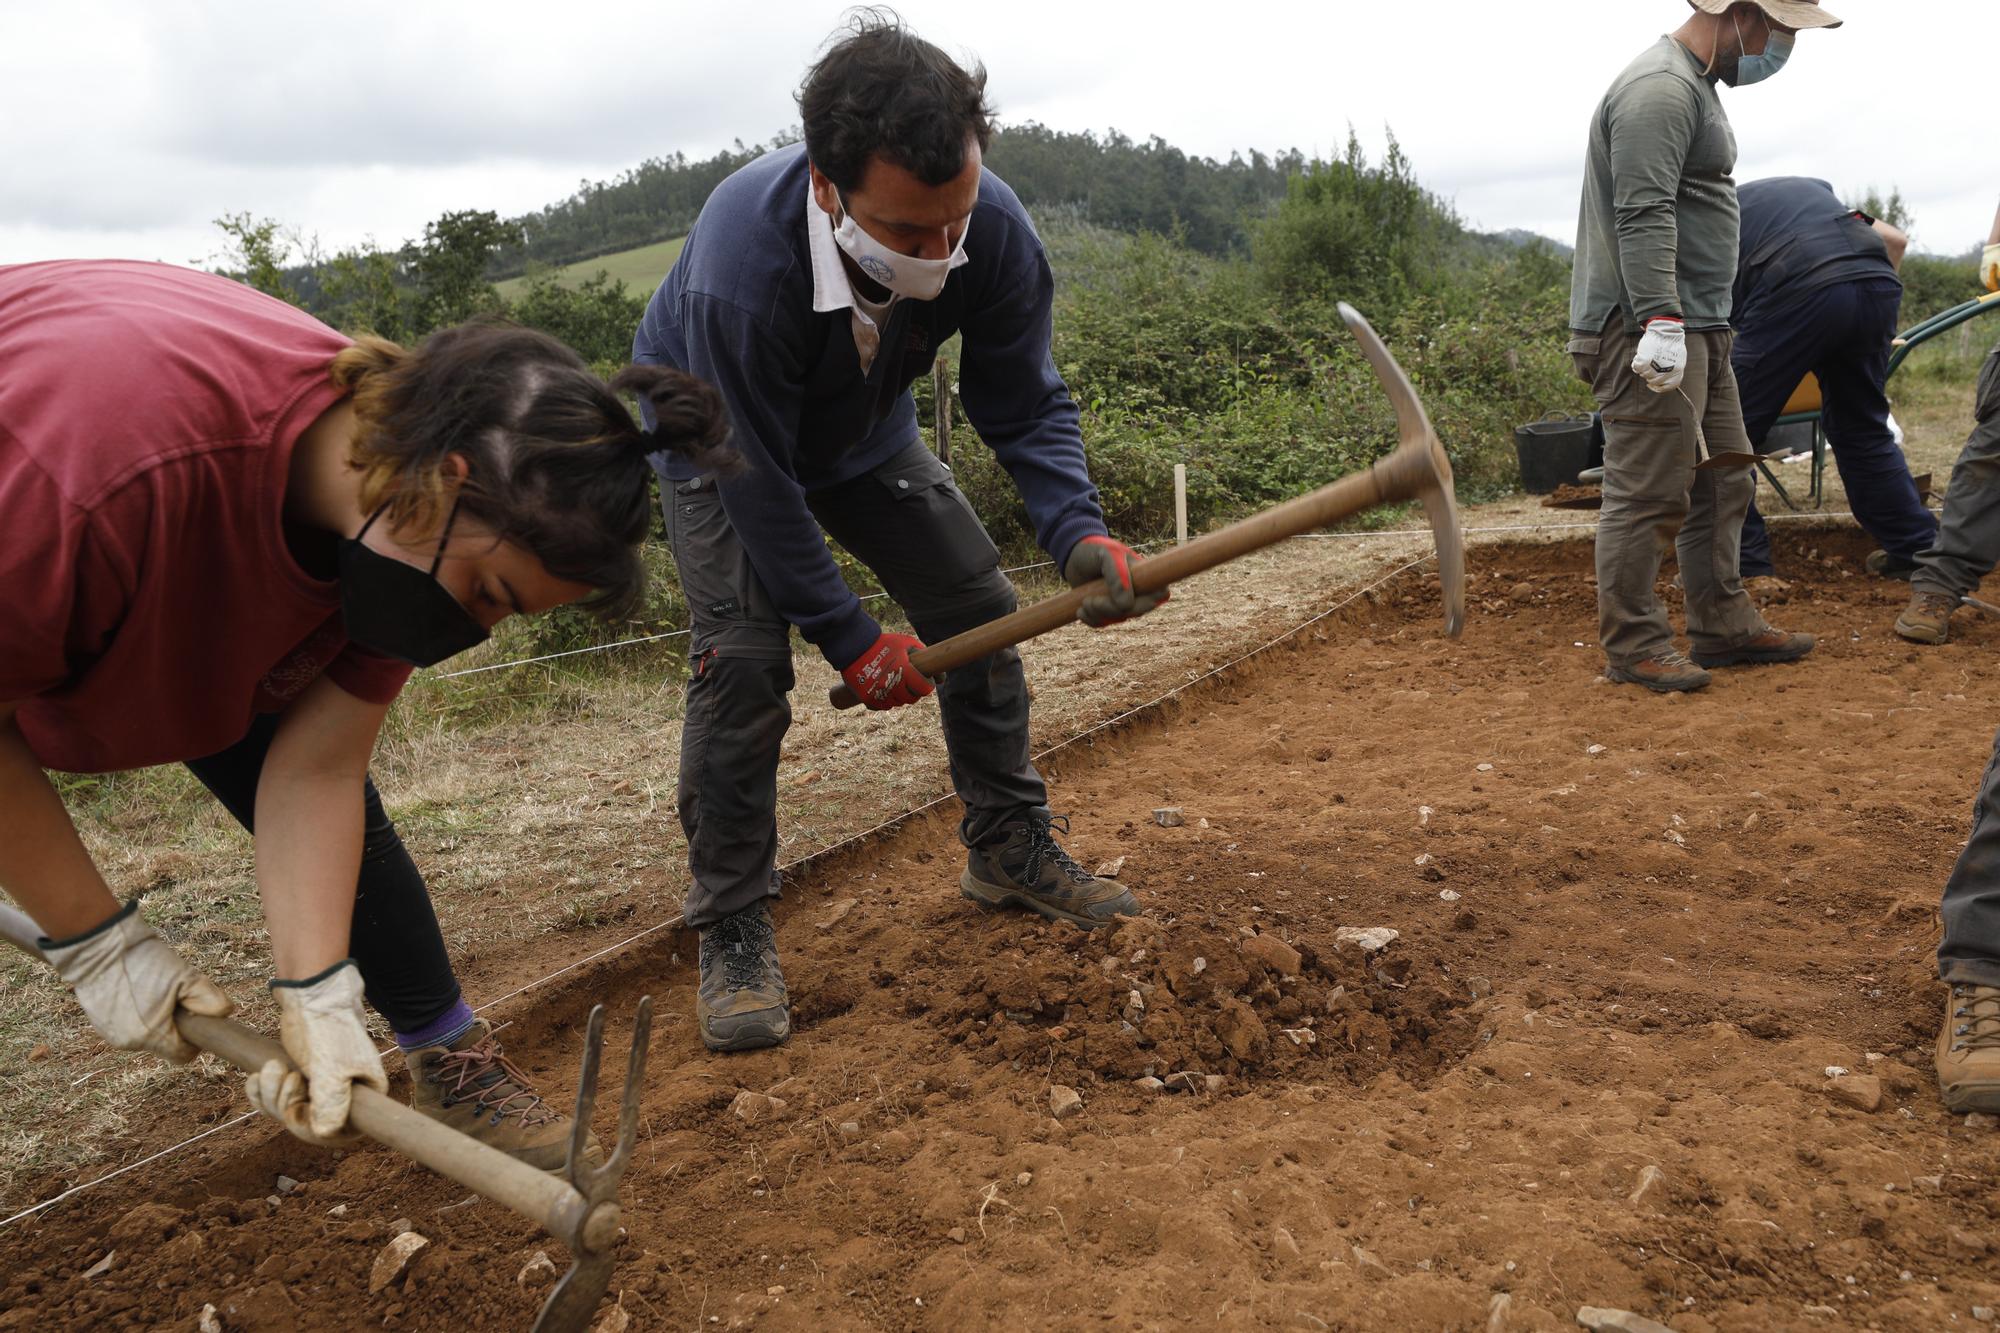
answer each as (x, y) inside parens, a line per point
(1649, 319)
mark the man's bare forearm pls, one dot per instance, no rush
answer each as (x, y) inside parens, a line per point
(43, 864)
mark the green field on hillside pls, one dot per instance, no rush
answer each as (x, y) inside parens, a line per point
(640, 269)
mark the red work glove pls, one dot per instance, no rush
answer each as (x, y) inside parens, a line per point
(1112, 561)
(883, 676)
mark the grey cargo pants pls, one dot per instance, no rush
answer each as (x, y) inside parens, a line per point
(1652, 494)
(1970, 949)
(908, 523)
(1968, 539)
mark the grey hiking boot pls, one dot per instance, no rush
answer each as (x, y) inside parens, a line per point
(1023, 865)
(1968, 1049)
(472, 1087)
(742, 1004)
(1770, 645)
(1927, 619)
(1665, 672)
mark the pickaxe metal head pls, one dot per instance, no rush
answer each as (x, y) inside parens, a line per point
(1420, 445)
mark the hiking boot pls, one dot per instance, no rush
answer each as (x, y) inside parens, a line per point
(1024, 866)
(742, 1004)
(1968, 1049)
(472, 1087)
(1885, 566)
(1772, 645)
(1665, 672)
(1927, 619)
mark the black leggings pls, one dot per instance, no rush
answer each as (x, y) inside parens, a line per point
(395, 938)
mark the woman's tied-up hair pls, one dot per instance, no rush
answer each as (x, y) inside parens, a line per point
(881, 89)
(555, 462)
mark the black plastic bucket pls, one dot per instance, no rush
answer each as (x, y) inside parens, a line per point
(1553, 451)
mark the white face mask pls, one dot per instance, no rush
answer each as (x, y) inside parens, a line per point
(918, 279)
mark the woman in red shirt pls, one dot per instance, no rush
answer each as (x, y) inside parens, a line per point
(226, 534)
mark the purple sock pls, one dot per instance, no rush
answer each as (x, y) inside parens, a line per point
(442, 1031)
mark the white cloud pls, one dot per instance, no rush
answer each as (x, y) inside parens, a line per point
(126, 127)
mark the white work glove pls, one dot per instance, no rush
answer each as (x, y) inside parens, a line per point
(1662, 357)
(321, 1028)
(129, 983)
(1989, 267)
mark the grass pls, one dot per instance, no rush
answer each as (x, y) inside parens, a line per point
(640, 269)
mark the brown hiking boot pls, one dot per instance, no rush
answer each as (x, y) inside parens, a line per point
(472, 1087)
(1968, 1049)
(1665, 672)
(1773, 645)
(1024, 866)
(1927, 619)
(741, 1003)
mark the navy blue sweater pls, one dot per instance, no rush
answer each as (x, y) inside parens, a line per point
(736, 309)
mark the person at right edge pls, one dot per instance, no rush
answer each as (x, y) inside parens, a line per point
(1649, 319)
(1968, 539)
(818, 282)
(1968, 1045)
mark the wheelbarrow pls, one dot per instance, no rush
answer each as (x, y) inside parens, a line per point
(578, 1206)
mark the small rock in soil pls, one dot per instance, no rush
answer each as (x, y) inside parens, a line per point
(1273, 953)
(1497, 1311)
(850, 1129)
(1983, 1313)
(1025, 1179)
(399, 1226)
(1599, 1320)
(1649, 1177)
(1967, 1244)
(750, 1107)
(1981, 1120)
(1150, 1084)
(1185, 1080)
(1283, 1242)
(1109, 869)
(394, 1260)
(537, 1273)
(1370, 939)
(1064, 1102)
(39, 1053)
(615, 1321)
(1169, 817)
(839, 914)
(208, 1323)
(1370, 1266)
(286, 1184)
(1861, 1091)
(102, 1266)
(956, 1235)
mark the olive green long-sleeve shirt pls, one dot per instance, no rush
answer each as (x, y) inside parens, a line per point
(1656, 234)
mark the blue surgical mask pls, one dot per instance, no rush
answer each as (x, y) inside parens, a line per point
(1755, 69)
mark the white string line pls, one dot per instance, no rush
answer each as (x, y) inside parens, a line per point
(1045, 564)
(676, 919)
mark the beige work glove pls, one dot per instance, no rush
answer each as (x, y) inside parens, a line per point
(129, 984)
(1989, 267)
(321, 1028)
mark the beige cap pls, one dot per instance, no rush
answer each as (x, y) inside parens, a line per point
(1787, 13)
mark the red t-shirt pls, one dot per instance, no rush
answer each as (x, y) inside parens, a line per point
(148, 604)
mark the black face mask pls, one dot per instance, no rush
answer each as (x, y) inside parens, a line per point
(398, 610)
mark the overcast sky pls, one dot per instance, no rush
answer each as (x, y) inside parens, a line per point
(125, 128)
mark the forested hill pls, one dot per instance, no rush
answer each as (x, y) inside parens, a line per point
(1117, 182)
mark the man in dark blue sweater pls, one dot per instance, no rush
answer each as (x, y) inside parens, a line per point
(1817, 292)
(817, 284)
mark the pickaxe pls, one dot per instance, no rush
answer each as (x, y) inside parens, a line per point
(1417, 470)
(578, 1206)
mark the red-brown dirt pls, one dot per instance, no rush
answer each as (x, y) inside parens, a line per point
(1635, 931)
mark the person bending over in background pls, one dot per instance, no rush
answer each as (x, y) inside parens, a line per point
(817, 284)
(226, 534)
(1649, 311)
(1968, 538)
(1817, 293)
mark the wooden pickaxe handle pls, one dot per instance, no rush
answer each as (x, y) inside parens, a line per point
(1417, 470)
(1404, 475)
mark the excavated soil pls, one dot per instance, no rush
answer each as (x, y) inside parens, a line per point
(1635, 932)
